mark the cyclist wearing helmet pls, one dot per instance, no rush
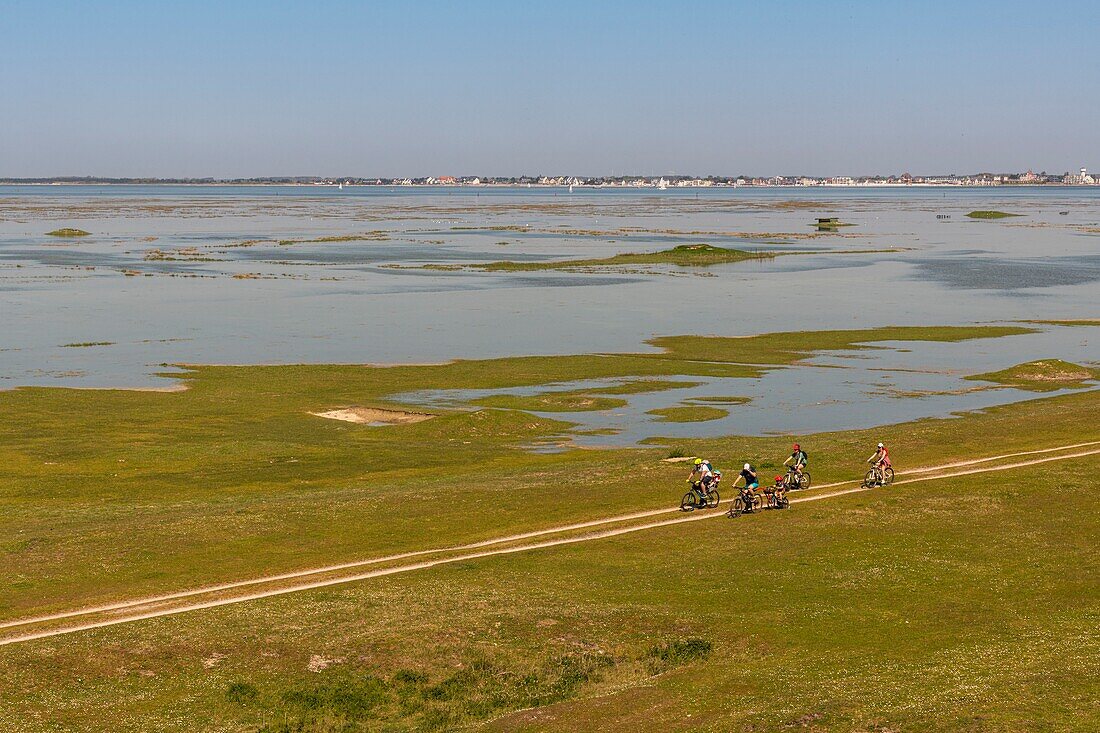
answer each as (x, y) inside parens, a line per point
(751, 480)
(881, 458)
(701, 473)
(797, 461)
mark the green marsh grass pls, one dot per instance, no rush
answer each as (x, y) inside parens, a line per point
(985, 214)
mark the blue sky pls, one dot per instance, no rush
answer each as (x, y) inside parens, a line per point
(481, 88)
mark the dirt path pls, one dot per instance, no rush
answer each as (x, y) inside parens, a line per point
(130, 611)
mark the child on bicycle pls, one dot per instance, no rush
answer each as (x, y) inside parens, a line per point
(778, 489)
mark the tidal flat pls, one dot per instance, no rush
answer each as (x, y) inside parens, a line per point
(275, 275)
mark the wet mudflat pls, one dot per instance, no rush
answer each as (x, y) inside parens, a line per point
(288, 275)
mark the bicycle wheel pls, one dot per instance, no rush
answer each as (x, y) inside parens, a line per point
(888, 475)
(870, 479)
(687, 504)
(713, 498)
(756, 503)
(771, 501)
(804, 481)
(784, 503)
(738, 506)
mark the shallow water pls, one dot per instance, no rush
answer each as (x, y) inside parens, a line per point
(348, 302)
(836, 390)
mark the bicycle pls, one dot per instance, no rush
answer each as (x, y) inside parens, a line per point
(701, 496)
(777, 499)
(746, 502)
(878, 476)
(797, 480)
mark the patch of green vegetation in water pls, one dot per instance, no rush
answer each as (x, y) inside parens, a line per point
(986, 214)
(721, 400)
(68, 232)
(597, 431)
(374, 236)
(86, 344)
(689, 413)
(642, 386)
(685, 255)
(552, 402)
(1046, 375)
(786, 348)
(1073, 322)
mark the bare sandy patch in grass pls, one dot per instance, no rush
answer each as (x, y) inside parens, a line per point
(374, 416)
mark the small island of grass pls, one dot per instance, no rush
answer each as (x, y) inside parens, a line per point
(984, 214)
(642, 386)
(688, 413)
(1045, 375)
(551, 402)
(721, 400)
(1067, 322)
(685, 255)
(68, 232)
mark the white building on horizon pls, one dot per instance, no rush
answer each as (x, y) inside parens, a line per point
(1081, 179)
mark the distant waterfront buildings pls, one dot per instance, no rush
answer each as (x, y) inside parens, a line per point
(1029, 178)
(1082, 179)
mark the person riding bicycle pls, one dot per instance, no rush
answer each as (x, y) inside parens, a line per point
(778, 488)
(752, 482)
(880, 460)
(702, 476)
(797, 462)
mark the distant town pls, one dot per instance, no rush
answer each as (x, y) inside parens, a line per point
(1028, 178)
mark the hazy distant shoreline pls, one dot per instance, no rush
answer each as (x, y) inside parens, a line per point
(626, 186)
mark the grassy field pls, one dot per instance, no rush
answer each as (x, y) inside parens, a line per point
(967, 604)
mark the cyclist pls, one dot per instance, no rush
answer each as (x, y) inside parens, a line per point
(778, 489)
(752, 485)
(881, 461)
(797, 462)
(702, 476)
(749, 475)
